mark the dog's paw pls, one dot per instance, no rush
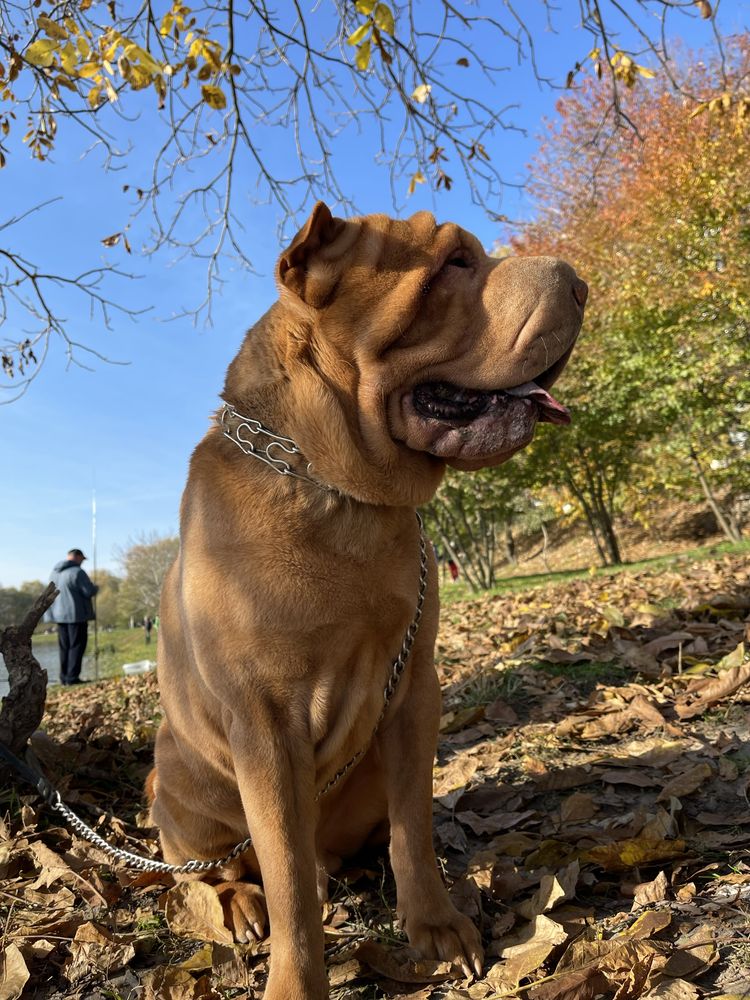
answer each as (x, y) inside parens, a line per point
(445, 934)
(245, 911)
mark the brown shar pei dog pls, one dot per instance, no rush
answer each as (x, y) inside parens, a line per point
(396, 346)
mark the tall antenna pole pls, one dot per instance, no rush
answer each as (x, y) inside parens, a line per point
(96, 619)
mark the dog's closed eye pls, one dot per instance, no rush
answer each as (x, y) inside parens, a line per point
(458, 261)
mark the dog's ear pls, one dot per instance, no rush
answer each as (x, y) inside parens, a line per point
(296, 268)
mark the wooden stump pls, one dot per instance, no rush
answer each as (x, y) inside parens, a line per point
(23, 706)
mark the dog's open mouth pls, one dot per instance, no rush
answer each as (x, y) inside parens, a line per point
(470, 428)
(452, 404)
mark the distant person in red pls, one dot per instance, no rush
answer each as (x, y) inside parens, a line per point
(72, 611)
(453, 570)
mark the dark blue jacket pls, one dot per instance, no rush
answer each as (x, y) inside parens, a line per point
(73, 603)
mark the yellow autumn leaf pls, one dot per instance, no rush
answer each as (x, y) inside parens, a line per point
(136, 54)
(384, 19)
(41, 52)
(88, 70)
(357, 36)
(214, 97)
(417, 178)
(51, 28)
(645, 72)
(365, 6)
(624, 854)
(212, 55)
(139, 78)
(699, 109)
(363, 55)
(421, 93)
(68, 58)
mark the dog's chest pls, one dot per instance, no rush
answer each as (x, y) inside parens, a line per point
(353, 662)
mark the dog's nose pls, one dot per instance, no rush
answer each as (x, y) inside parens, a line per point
(580, 291)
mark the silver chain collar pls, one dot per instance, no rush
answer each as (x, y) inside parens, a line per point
(288, 447)
(249, 435)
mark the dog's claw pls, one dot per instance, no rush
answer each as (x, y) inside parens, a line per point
(478, 967)
(257, 931)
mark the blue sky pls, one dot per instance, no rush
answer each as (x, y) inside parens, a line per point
(127, 431)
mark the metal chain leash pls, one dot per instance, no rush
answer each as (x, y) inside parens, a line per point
(53, 799)
(397, 667)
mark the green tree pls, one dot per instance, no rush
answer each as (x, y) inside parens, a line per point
(468, 520)
(16, 601)
(144, 563)
(108, 599)
(659, 388)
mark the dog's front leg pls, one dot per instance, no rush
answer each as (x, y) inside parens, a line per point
(275, 775)
(432, 923)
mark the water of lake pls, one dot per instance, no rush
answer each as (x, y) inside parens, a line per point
(49, 660)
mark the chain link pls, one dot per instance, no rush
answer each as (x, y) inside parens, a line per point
(234, 425)
(52, 796)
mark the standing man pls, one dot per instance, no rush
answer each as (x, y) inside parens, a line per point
(72, 611)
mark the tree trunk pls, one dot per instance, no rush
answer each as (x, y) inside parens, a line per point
(610, 537)
(545, 536)
(728, 526)
(590, 517)
(510, 544)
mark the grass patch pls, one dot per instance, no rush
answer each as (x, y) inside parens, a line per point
(452, 593)
(486, 687)
(587, 674)
(121, 645)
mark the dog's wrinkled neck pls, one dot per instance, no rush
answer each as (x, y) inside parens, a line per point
(285, 390)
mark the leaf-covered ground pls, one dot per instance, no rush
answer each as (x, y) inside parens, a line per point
(591, 811)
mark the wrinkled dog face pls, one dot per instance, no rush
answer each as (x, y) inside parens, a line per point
(449, 352)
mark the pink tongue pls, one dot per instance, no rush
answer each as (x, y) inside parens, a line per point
(549, 409)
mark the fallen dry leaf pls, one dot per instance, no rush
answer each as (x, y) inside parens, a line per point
(649, 923)
(625, 854)
(577, 808)
(14, 973)
(193, 910)
(695, 952)
(651, 892)
(553, 890)
(725, 684)
(96, 946)
(171, 983)
(675, 989)
(686, 783)
(591, 967)
(403, 965)
(528, 950)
